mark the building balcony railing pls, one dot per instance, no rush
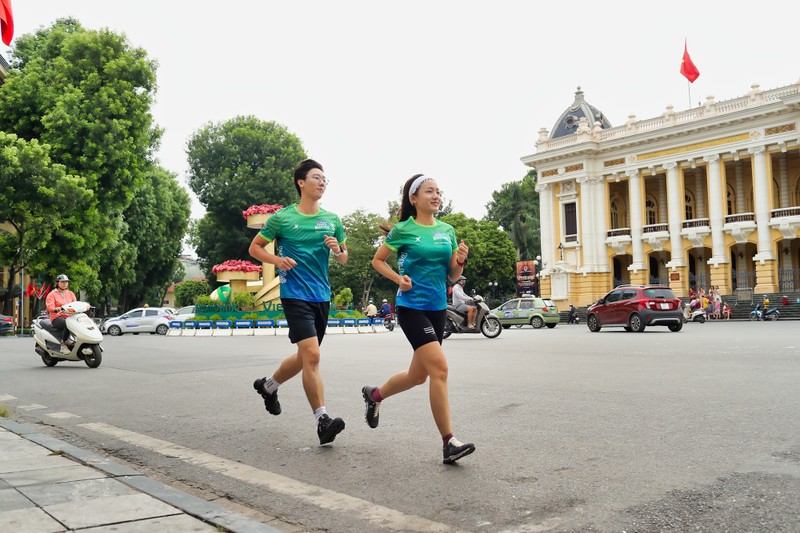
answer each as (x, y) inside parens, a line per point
(654, 228)
(785, 212)
(695, 223)
(740, 217)
(618, 232)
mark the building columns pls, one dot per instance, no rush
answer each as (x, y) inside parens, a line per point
(766, 267)
(762, 211)
(546, 222)
(720, 263)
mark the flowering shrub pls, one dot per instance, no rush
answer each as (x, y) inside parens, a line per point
(263, 209)
(236, 265)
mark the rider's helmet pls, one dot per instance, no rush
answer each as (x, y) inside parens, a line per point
(385, 301)
(461, 278)
(62, 277)
(370, 301)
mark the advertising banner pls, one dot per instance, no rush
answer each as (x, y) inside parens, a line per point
(526, 277)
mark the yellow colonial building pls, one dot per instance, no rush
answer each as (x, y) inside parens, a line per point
(706, 196)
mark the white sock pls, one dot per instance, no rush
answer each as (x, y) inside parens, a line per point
(271, 385)
(319, 412)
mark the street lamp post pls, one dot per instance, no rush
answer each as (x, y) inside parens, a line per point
(493, 286)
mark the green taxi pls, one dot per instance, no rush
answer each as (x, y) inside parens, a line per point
(531, 310)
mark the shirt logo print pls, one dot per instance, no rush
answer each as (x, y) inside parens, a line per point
(295, 226)
(418, 239)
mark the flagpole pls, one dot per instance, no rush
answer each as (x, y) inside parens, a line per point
(689, 86)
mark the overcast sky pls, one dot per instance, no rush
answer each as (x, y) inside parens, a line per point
(379, 91)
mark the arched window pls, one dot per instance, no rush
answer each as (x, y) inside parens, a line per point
(731, 199)
(614, 215)
(797, 192)
(651, 211)
(689, 205)
(776, 195)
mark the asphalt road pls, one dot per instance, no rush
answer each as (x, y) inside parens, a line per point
(575, 431)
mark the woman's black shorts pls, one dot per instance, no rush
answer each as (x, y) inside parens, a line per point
(305, 319)
(421, 327)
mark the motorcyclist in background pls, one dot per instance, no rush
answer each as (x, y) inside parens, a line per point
(55, 302)
(386, 309)
(463, 303)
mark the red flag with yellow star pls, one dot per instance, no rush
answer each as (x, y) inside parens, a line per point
(6, 21)
(687, 67)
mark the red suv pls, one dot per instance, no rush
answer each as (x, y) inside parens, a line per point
(635, 307)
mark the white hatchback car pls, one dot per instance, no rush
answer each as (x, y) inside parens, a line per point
(184, 313)
(139, 320)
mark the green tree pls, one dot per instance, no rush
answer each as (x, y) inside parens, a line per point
(516, 208)
(38, 201)
(491, 254)
(233, 165)
(157, 220)
(186, 292)
(363, 238)
(87, 94)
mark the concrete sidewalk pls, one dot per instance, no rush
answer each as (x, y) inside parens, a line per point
(47, 485)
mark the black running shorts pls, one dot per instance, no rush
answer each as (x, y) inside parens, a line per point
(306, 319)
(421, 327)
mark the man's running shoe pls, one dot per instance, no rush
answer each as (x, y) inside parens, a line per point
(328, 428)
(455, 450)
(373, 407)
(270, 400)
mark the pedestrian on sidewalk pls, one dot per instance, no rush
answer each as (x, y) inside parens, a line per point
(306, 235)
(428, 254)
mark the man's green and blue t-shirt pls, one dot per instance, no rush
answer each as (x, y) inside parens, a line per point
(302, 237)
(423, 254)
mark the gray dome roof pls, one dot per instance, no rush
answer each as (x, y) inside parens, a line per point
(567, 123)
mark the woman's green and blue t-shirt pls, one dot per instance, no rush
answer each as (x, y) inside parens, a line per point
(302, 237)
(423, 254)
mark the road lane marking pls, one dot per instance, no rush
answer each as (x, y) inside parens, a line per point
(31, 407)
(62, 415)
(323, 498)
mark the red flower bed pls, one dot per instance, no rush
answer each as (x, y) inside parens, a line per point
(236, 265)
(263, 209)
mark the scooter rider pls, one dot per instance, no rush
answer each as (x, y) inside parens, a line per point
(463, 303)
(386, 309)
(55, 302)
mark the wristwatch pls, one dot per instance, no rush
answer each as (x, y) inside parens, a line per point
(340, 253)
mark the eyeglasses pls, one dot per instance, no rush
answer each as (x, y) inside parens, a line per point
(321, 179)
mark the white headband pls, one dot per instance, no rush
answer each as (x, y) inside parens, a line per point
(415, 185)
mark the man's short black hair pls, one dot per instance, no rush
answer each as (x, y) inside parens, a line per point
(302, 171)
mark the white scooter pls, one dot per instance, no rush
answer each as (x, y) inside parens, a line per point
(697, 314)
(83, 342)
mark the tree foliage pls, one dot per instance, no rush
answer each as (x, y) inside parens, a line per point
(157, 219)
(186, 292)
(491, 253)
(87, 94)
(363, 239)
(233, 165)
(38, 201)
(516, 208)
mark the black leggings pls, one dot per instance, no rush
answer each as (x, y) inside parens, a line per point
(61, 323)
(421, 327)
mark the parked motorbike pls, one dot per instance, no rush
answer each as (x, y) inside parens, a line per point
(772, 314)
(697, 314)
(83, 342)
(485, 322)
